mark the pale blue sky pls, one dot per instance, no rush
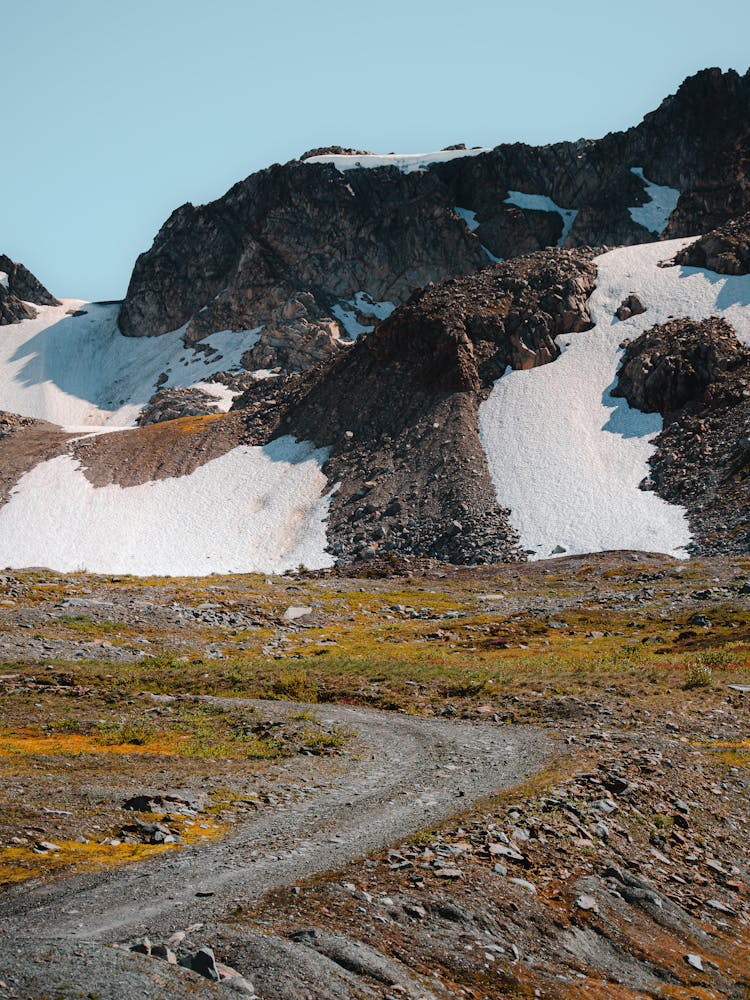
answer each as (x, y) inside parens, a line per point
(115, 113)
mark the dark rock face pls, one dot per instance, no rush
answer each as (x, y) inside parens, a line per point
(697, 375)
(282, 248)
(698, 141)
(726, 249)
(399, 409)
(23, 284)
(12, 309)
(463, 334)
(287, 244)
(21, 289)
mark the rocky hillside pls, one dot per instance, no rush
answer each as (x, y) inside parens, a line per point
(318, 248)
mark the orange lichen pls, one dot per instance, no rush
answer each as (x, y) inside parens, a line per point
(21, 862)
(73, 744)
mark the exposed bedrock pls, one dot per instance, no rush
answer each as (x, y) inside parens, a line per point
(726, 249)
(20, 291)
(697, 375)
(284, 246)
(683, 363)
(288, 245)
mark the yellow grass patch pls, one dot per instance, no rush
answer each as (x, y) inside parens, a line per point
(18, 863)
(74, 744)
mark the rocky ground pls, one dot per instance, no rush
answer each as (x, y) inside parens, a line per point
(617, 869)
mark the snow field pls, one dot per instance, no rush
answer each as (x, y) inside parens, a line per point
(565, 456)
(81, 371)
(251, 510)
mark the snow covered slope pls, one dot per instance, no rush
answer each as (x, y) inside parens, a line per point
(564, 455)
(80, 371)
(252, 510)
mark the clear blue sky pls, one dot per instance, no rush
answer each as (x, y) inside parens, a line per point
(115, 113)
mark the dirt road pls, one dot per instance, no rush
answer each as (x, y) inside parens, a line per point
(414, 772)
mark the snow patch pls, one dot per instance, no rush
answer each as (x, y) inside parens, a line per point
(407, 163)
(565, 456)
(654, 215)
(492, 257)
(362, 303)
(251, 510)
(81, 371)
(3, 279)
(222, 394)
(469, 217)
(541, 203)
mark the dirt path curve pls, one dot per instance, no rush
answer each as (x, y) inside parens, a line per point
(413, 773)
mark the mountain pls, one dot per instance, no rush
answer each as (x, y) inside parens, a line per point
(317, 248)
(330, 363)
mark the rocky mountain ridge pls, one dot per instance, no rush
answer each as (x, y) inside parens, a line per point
(293, 249)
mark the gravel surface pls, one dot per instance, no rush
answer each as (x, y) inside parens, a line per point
(414, 773)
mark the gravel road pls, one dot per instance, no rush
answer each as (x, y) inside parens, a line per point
(413, 773)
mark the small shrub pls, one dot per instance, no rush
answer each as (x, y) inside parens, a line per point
(698, 674)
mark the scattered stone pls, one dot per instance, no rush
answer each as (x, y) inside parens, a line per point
(203, 962)
(630, 306)
(295, 612)
(586, 902)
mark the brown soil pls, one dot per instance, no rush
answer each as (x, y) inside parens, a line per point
(158, 451)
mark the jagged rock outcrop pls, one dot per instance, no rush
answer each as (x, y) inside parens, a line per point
(697, 375)
(25, 285)
(399, 409)
(288, 245)
(726, 249)
(674, 365)
(171, 403)
(285, 246)
(698, 140)
(18, 288)
(334, 150)
(12, 309)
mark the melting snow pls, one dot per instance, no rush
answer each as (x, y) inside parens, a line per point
(3, 279)
(361, 303)
(654, 215)
(223, 395)
(564, 455)
(251, 510)
(81, 371)
(406, 162)
(541, 203)
(469, 217)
